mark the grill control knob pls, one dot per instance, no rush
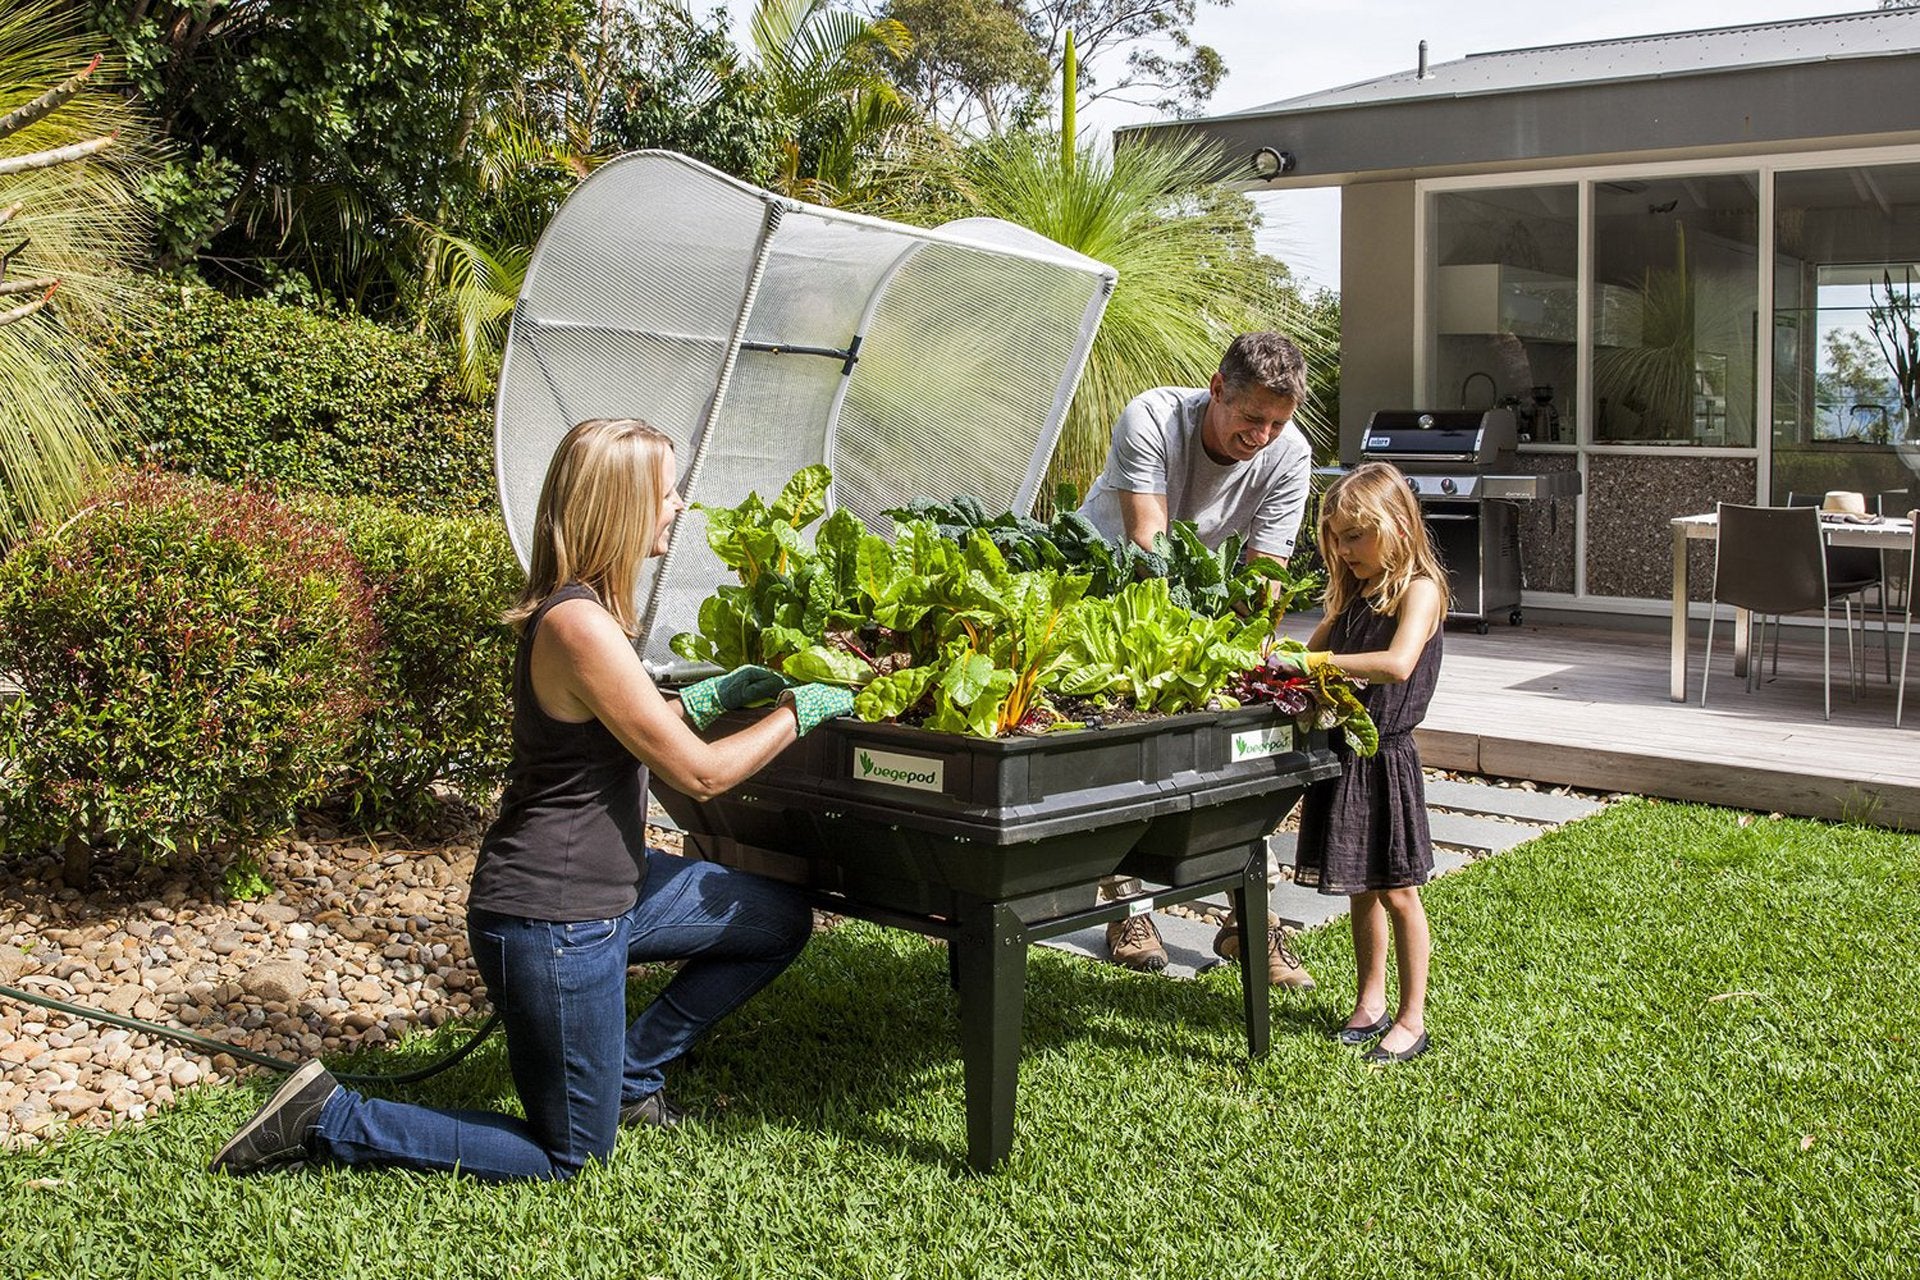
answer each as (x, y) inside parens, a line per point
(1447, 485)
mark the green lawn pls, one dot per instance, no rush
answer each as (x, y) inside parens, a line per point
(1665, 1044)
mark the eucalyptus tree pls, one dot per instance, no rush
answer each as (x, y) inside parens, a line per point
(70, 222)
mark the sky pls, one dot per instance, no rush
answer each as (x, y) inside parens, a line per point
(1276, 49)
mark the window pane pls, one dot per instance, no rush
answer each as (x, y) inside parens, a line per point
(1505, 269)
(1847, 306)
(1676, 293)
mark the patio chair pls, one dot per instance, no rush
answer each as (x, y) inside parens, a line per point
(1851, 572)
(1906, 630)
(1771, 561)
(1896, 567)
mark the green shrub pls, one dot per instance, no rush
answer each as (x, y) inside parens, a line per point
(193, 658)
(442, 707)
(255, 391)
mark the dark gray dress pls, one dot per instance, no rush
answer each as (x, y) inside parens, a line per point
(1367, 829)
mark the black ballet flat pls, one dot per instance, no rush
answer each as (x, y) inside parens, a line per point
(1412, 1051)
(1354, 1037)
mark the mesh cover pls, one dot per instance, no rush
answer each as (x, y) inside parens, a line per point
(657, 288)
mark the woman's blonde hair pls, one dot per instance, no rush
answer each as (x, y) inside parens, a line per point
(1374, 496)
(599, 508)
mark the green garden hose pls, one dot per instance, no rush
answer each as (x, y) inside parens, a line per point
(259, 1059)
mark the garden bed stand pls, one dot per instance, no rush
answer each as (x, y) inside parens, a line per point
(992, 845)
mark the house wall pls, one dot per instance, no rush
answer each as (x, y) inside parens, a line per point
(1377, 320)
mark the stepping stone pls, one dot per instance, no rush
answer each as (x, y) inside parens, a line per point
(1483, 835)
(1507, 802)
(1189, 944)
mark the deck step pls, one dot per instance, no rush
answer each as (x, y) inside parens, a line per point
(1507, 802)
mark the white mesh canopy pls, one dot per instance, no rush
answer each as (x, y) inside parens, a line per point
(762, 335)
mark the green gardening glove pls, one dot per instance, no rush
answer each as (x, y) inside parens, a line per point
(739, 687)
(813, 703)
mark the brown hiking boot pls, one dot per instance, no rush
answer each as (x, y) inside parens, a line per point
(1135, 943)
(1283, 966)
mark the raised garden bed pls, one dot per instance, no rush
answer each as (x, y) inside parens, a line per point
(992, 844)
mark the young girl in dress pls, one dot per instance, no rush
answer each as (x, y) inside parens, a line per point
(1364, 834)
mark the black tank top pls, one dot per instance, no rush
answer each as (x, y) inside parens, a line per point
(570, 841)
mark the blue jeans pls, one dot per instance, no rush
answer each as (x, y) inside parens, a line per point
(560, 989)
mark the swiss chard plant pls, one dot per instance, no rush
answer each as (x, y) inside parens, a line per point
(1323, 699)
(976, 628)
(1156, 654)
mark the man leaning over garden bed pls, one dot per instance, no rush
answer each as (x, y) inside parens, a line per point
(1229, 458)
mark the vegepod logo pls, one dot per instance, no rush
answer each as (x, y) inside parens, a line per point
(1256, 744)
(922, 773)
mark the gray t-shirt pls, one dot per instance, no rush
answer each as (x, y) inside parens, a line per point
(1156, 449)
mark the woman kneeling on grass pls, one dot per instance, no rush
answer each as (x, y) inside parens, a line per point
(1364, 834)
(565, 892)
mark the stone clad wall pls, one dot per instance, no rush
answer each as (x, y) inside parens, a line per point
(1630, 499)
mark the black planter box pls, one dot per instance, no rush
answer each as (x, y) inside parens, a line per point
(993, 844)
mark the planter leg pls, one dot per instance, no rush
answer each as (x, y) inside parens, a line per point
(1250, 908)
(990, 957)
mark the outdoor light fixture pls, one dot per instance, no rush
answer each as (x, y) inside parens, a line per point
(1270, 163)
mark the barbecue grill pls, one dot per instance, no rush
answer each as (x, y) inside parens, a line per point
(1460, 465)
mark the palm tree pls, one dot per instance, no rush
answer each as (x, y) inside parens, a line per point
(69, 159)
(1189, 278)
(826, 70)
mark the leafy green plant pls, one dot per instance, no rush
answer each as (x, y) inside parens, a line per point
(944, 626)
(1324, 698)
(253, 391)
(1157, 654)
(243, 879)
(194, 660)
(1207, 581)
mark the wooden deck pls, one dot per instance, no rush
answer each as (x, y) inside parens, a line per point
(1587, 704)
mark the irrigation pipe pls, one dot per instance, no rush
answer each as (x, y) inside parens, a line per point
(258, 1059)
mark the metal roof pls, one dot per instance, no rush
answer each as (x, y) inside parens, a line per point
(1776, 86)
(1876, 34)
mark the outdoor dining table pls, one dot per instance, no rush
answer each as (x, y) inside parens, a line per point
(1889, 533)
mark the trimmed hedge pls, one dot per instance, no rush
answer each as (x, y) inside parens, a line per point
(193, 657)
(200, 661)
(241, 390)
(442, 701)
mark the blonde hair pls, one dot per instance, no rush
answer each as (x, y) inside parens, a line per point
(1374, 496)
(599, 508)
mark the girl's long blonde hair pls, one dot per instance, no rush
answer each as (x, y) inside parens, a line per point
(599, 508)
(1374, 495)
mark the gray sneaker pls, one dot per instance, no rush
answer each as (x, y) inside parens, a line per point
(280, 1133)
(654, 1111)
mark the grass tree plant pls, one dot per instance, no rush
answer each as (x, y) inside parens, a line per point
(70, 219)
(1189, 276)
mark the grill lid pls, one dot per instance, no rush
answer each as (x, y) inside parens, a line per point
(1468, 439)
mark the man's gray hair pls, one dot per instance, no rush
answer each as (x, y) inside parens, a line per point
(1264, 359)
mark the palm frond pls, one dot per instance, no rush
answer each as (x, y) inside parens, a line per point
(478, 286)
(83, 225)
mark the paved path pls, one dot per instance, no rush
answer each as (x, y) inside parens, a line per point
(1469, 820)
